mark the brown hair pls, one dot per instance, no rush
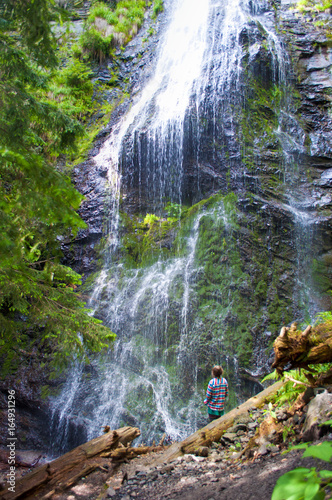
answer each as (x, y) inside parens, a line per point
(217, 371)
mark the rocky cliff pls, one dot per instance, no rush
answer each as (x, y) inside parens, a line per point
(276, 158)
(251, 247)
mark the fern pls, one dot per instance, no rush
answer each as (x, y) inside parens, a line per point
(290, 390)
(271, 376)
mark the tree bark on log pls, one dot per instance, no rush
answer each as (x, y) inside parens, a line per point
(214, 430)
(296, 349)
(71, 466)
(129, 453)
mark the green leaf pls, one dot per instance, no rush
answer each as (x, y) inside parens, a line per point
(322, 451)
(291, 485)
(319, 496)
(328, 422)
(325, 474)
(302, 446)
(311, 490)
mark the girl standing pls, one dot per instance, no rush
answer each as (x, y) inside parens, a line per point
(216, 393)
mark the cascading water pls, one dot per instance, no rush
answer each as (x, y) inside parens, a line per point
(183, 137)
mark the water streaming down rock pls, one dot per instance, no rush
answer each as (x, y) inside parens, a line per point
(67, 429)
(190, 134)
(135, 384)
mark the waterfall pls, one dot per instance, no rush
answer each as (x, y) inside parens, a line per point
(186, 137)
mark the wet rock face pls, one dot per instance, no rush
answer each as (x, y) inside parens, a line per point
(31, 411)
(91, 182)
(312, 60)
(133, 66)
(233, 145)
(215, 170)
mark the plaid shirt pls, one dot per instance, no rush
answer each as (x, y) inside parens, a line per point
(216, 393)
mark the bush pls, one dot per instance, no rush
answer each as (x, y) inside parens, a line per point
(77, 76)
(98, 46)
(125, 21)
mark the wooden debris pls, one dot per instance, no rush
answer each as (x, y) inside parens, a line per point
(296, 349)
(161, 442)
(129, 453)
(64, 471)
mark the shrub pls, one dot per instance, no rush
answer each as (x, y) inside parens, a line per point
(125, 21)
(98, 46)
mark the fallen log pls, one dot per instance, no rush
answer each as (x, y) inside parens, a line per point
(214, 430)
(296, 349)
(129, 453)
(71, 466)
(19, 461)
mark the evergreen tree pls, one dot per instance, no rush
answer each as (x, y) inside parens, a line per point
(38, 302)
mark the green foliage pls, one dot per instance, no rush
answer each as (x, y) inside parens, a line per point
(271, 376)
(96, 44)
(158, 6)
(142, 239)
(71, 88)
(290, 390)
(39, 303)
(287, 432)
(150, 219)
(77, 76)
(173, 210)
(270, 411)
(107, 28)
(322, 317)
(29, 23)
(314, 5)
(304, 483)
(323, 450)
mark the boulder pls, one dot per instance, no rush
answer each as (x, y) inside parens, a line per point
(319, 411)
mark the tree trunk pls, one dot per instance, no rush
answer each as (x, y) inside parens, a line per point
(214, 430)
(296, 349)
(68, 468)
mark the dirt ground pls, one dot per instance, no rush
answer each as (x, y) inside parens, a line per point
(208, 480)
(188, 477)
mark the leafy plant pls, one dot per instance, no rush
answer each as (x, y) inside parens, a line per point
(173, 209)
(324, 316)
(96, 44)
(303, 483)
(287, 431)
(314, 5)
(150, 219)
(290, 390)
(71, 88)
(270, 411)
